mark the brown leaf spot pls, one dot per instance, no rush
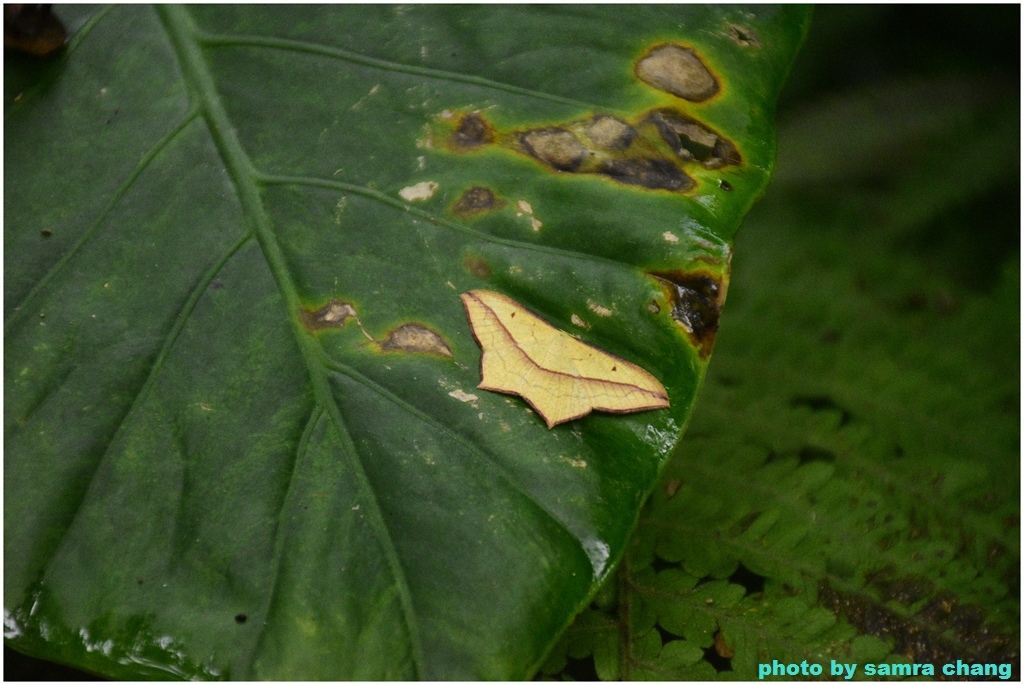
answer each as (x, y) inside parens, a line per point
(555, 147)
(696, 299)
(472, 132)
(677, 70)
(331, 315)
(657, 174)
(414, 337)
(476, 200)
(610, 133)
(693, 141)
(477, 266)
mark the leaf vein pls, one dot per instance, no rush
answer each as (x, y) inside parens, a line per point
(274, 179)
(151, 154)
(473, 447)
(169, 340)
(279, 537)
(274, 43)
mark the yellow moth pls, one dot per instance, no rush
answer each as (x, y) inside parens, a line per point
(561, 377)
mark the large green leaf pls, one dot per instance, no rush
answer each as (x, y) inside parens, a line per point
(222, 457)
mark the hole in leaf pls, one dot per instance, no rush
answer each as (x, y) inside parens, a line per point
(743, 36)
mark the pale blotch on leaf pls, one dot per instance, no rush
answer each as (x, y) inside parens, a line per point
(423, 190)
(679, 71)
(331, 315)
(413, 337)
(561, 377)
(556, 147)
(524, 208)
(463, 396)
(610, 133)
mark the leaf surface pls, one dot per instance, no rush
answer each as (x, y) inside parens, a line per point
(240, 438)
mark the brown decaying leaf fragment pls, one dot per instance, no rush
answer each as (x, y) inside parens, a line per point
(33, 29)
(723, 648)
(561, 377)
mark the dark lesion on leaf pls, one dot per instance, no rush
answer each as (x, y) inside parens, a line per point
(744, 36)
(331, 315)
(416, 338)
(473, 131)
(477, 266)
(693, 141)
(653, 151)
(606, 146)
(696, 300)
(656, 174)
(476, 200)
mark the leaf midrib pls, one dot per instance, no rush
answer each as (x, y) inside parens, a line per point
(182, 34)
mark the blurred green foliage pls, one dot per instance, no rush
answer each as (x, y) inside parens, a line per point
(849, 485)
